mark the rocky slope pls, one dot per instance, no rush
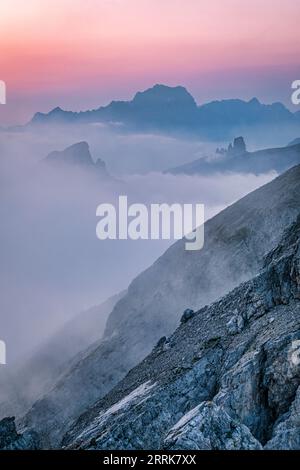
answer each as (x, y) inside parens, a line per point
(295, 142)
(236, 241)
(228, 378)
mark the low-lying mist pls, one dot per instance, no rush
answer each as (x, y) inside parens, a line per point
(52, 265)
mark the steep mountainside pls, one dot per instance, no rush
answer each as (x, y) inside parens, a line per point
(228, 378)
(236, 240)
(262, 161)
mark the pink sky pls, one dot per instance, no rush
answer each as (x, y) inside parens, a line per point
(83, 53)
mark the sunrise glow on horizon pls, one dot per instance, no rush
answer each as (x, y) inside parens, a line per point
(83, 54)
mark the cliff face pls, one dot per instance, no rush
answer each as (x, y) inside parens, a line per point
(228, 378)
(236, 241)
(10, 439)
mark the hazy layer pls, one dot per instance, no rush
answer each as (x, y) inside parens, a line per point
(53, 266)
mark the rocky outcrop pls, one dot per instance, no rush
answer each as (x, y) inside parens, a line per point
(214, 387)
(10, 439)
(286, 433)
(209, 427)
(77, 156)
(187, 315)
(237, 148)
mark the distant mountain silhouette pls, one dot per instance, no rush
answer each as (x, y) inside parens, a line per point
(165, 108)
(77, 155)
(238, 159)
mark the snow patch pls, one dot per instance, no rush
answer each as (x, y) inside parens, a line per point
(185, 419)
(139, 394)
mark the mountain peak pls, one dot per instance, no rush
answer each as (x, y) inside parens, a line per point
(163, 94)
(57, 110)
(76, 154)
(56, 114)
(238, 147)
(254, 101)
